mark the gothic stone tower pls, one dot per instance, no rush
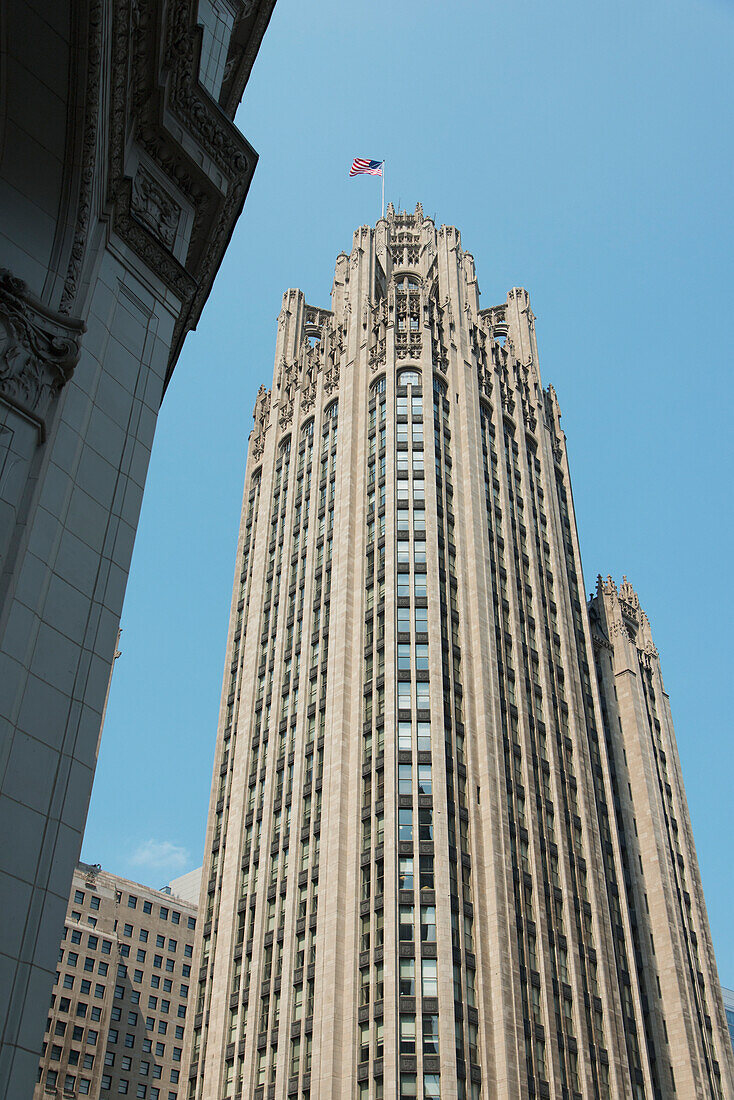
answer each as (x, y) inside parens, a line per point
(412, 883)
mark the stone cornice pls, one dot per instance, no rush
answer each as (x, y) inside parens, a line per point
(156, 108)
(249, 29)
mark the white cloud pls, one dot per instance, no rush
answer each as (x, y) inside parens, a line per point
(160, 854)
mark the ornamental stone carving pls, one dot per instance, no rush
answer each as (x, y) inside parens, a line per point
(88, 155)
(154, 207)
(38, 350)
(261, 416)
(308, 397)
(377, 355)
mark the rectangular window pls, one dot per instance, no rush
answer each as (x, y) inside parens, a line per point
(425, 824)
(405, 779)
(405, 739)
(429, 978)
(426, 873)
(405, 824)
(407, 1034)
(407, 977)
(428, 923)
(425, 785)
(424, 736)
(405, 873)
(404, 695)
(297, 1002)
(431, 1086)
(430, 1034)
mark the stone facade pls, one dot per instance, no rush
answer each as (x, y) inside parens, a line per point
(413, 882)
(121, 178)
(728, 995)
(118, 1010)
(675, 968)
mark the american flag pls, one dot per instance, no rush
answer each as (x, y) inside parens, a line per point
(362, 167)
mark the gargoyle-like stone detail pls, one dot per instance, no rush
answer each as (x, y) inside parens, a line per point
(286, 414)
(331, 370)
(377, 355)
(154, 207)
(619, 629)
(308, 397)
(38, 350)
(261, 417)
(288, 385)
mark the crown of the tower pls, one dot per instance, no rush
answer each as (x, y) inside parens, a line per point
(406, 295)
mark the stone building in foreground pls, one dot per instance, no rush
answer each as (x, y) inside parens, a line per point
(119, 1003)
(425, 873)
(121, 178)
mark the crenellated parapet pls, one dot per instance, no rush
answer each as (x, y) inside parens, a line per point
(618, 616)
(407, 293)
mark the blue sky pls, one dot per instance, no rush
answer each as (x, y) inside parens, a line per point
(585, 153)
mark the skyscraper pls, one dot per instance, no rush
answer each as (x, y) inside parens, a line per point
(416, 873)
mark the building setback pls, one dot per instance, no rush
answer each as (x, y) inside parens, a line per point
(416, 871)
(118, 1009)
(121, 178)
(677, 980)
(728, 995)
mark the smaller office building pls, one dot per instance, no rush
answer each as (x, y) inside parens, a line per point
(119, 1003)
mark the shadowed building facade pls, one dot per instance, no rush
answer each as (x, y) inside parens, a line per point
(121, 178)
(414, 882)
(117, 1017)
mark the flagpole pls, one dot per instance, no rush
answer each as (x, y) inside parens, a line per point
(382, 214)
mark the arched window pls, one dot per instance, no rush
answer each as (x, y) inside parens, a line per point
(409, 378)
(285, 446)
(407, 282)
(439, 386)
(331, 411)
(307, 429)
(378, 386)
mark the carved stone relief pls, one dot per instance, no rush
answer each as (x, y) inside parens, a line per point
(262, 422)
(154, 207)
(38, 350)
